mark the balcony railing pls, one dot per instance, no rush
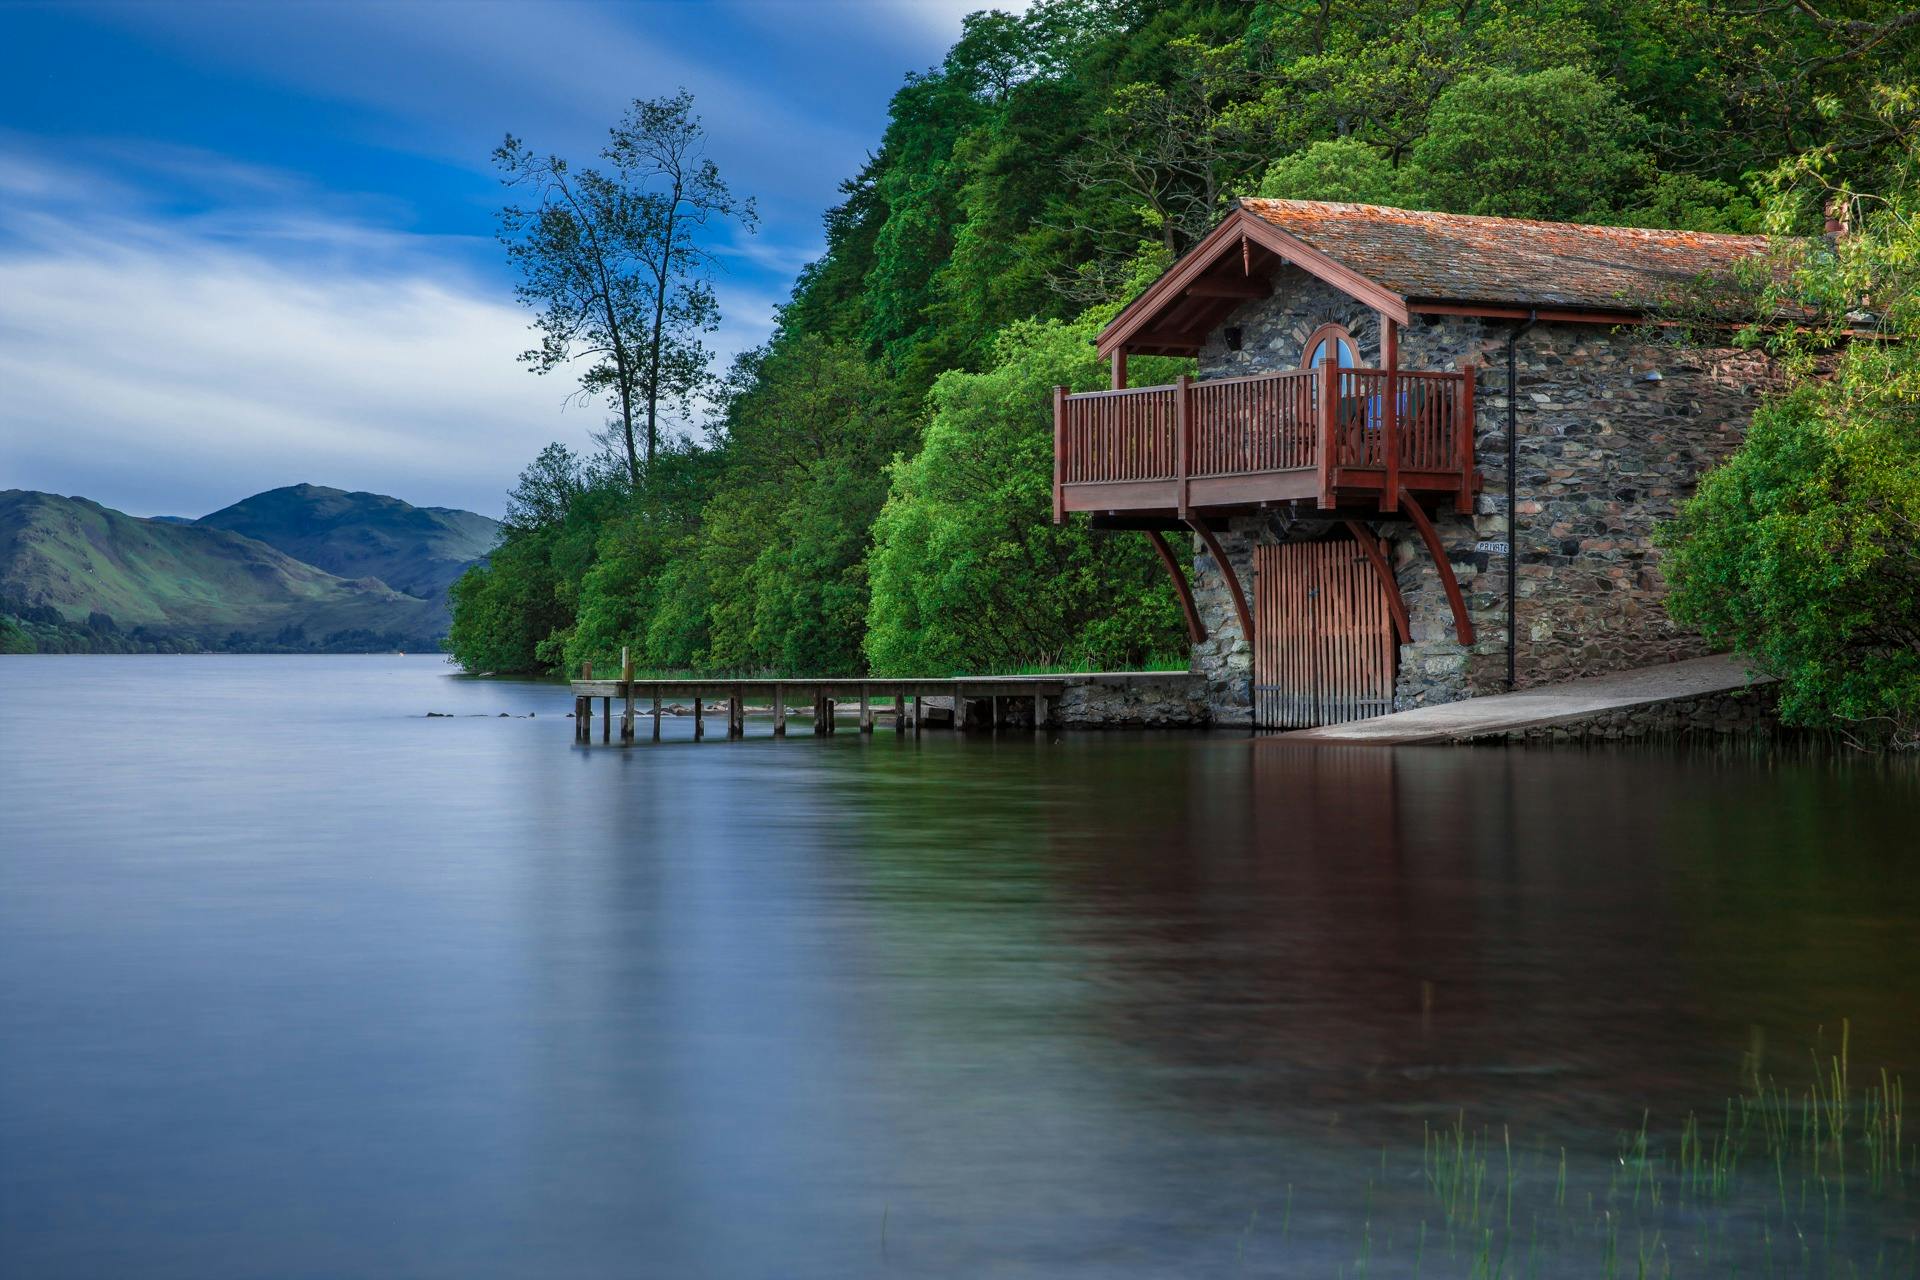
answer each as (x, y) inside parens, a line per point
(1325, 433)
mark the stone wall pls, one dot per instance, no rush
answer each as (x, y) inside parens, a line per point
(1152, 700)
(1615, 428)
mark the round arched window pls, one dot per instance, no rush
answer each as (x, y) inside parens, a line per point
(1331, 343)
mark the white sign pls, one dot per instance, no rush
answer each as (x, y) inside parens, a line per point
(1492, 548)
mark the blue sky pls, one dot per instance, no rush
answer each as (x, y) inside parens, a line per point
(249, 244)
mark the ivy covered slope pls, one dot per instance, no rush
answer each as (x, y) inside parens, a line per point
(77, 576)
(871, 493)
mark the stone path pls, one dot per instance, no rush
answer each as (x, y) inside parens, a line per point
(1552, 704)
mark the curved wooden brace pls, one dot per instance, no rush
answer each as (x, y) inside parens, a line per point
(1462, 625)
(1226, 571)
(1196, 629)
(1369, 543)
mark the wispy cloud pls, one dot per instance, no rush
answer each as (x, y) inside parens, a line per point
(169, 366)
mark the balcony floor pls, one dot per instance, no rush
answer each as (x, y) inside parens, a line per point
(1347, 488)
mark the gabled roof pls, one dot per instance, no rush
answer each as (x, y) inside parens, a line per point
(1400, 261)
(1456, 257)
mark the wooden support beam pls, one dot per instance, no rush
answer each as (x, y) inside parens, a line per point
(866, 711)
(1327, 389)
(656, 715)
(1041, 709)
(779, 712)
(959, 709)
(1390, 436)
(1120, 369)
(1233, 580)
(1196, 629)
(1376, 553)
(1249, 289)
(1059, 452)
(899, 713)
(918, 711)
(1462, 625)
(1463, 439)
(606, 718)
(699, 716)
(736, 715)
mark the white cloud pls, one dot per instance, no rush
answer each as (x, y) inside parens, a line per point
(161, 369)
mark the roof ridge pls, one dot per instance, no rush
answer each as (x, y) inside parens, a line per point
(1252, 203)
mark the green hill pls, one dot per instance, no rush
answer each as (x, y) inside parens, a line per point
(417, 550)
(77, 575)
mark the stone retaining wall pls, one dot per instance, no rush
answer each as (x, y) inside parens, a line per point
(1169, 700)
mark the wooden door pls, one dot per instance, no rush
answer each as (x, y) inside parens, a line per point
(1323, 648)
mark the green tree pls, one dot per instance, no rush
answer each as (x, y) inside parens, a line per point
(1337, 169)
(1555, 144)
(614, 262)
(968, 572)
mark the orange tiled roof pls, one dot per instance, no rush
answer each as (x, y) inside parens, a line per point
(1456, 257)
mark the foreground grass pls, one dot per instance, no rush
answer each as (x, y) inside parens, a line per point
(1814, 1182)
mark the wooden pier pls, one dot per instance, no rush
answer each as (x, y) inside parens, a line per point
(977, 702)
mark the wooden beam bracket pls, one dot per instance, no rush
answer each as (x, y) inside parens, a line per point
(1462, 625)
(1377, 554)
(1196, 629)
(1226, 571)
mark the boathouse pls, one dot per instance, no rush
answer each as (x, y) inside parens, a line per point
(1425, 453)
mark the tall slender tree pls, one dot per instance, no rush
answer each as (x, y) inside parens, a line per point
(615, 262)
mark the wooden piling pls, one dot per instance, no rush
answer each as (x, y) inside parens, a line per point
(656, 715)
(736, 715)
(917, 715)
(779, 712)
(866, 711)
(899, 713)
(1040, 711)
(699, 716)
(606, 718)
(626, 678)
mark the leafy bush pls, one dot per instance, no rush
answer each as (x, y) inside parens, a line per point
(1802, 552)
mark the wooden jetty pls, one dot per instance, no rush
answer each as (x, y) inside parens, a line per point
(976, 701)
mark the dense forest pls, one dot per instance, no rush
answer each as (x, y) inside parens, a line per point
(871, 489)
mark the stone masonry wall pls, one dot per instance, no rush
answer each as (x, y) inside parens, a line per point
(1615, 428)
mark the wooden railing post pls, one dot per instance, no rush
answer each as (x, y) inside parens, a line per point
(1329, 417)
(1463, 447)
(1059, 450)
(1182, 436)
(1390, 436)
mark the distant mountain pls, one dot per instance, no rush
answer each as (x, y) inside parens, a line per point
(417, 550)
(75, 574)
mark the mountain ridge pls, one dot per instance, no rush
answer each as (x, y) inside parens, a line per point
(78, 575)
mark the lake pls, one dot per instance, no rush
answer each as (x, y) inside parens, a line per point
(298, 981)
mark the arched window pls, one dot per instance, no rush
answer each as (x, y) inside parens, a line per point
(1331, 342)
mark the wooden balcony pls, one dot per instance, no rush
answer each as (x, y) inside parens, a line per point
(1338, 438)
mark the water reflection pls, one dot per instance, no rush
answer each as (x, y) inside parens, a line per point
(453, 997)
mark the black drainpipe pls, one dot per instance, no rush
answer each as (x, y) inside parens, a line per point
(1513, 515)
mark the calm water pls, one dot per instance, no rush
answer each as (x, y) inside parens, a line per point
(296, 981)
